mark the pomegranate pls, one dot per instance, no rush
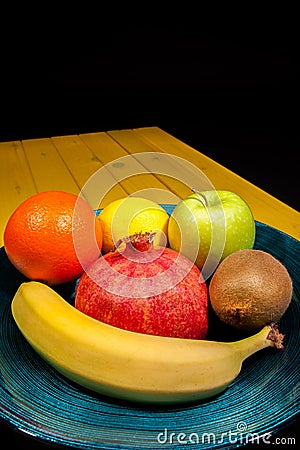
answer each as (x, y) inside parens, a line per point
(144, 289)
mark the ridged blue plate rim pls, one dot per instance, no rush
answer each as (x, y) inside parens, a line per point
(264, 399)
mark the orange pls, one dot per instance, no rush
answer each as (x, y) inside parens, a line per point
(130, 215)
(52, 236)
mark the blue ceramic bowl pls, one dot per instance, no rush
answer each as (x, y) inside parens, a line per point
(263, 399)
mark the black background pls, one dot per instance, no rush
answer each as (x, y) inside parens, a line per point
(228, 88)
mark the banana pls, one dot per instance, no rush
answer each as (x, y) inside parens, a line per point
(125, 364)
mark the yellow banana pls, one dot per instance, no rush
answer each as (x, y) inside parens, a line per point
(124, 364)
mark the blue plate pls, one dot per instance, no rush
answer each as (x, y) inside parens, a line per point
(264, 398)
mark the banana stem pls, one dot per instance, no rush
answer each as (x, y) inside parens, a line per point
(269, 336)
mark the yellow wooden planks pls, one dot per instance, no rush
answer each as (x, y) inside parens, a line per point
(48, 169)
(173, 173)
(110, 165)
(265, 207)
(16, 180)
(99, 186)
(134, 178)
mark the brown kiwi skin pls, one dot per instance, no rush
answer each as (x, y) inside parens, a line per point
(250, 289)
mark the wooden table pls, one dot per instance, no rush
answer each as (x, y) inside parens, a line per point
(159, 165)
(69, 162)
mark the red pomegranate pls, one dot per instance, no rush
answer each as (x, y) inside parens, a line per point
(144, 289)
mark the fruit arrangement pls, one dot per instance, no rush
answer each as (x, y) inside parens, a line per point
(143, 295)
(132, 366)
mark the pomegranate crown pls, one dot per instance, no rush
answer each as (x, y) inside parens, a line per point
(139, 241)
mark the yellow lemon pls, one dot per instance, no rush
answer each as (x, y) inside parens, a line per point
(130, 215)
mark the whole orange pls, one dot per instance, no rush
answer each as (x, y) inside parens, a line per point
(52, 236)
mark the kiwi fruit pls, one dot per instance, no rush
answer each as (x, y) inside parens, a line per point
(250, 289)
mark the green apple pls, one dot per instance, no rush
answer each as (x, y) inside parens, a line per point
(209, 225)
